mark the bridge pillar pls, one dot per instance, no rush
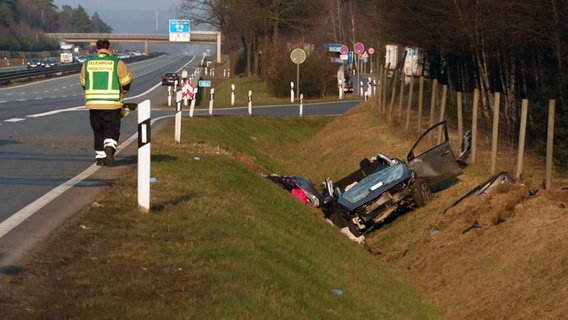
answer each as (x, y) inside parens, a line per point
(146, 46)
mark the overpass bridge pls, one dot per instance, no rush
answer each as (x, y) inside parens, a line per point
(196, 37)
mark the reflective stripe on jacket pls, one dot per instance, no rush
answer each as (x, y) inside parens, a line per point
(102, 86)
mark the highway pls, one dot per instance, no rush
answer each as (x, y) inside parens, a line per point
(47, 170)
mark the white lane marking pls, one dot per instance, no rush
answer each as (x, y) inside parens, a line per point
(14, 120)
(20, 216)
(17, 218)
(52, 112)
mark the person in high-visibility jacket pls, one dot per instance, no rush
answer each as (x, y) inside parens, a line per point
(105, 79)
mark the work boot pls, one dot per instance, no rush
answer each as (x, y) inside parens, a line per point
(108, 161)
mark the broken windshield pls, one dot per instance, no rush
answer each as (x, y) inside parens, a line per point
(373, 182)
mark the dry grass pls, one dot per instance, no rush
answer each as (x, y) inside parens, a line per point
(495, 256)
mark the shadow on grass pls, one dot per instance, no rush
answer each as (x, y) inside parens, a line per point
(173, 202)
(9, 270)
(163, 158)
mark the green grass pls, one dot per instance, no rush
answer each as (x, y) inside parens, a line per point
(220, 242)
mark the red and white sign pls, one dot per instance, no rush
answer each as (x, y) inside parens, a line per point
(187, 90)
(358, 48)
(371, 50)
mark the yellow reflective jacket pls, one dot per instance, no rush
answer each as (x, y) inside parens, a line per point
(104, 78)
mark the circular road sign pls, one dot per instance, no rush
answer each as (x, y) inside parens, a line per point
(298, 56)
(371, 50)
(358, 47)
(343, 49)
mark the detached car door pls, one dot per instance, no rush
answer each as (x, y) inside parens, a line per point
(432, 158)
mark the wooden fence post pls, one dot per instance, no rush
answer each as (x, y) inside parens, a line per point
(474, 125)
(460, 116)
(401, 94)
(522, 135)
(433, 101)
(495, 133)
(393, 93)
(442, 110)
(409, 105)
(420, 102)
(550, 143)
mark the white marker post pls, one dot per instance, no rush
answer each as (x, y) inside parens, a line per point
(291, 92)
(211, 102)
(341, 90)
(232, 95)
(144, 156)
(192, 104)
(178, 117)
(250, 102)
(169, 96)
(301, 104)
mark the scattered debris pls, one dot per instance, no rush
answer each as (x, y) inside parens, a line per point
(337, 292)
(360, 239)
(485, 187)
(299, 187)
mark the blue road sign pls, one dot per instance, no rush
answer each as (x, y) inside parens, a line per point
(205, 83)
(179, 30)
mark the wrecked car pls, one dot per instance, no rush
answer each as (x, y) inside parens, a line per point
(298, 187)
(384, 186)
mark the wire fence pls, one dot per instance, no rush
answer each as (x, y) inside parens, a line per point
(510, 140)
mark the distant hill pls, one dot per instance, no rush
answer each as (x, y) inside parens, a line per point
(24, 22)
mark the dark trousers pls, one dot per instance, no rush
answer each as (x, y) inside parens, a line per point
(105, 125)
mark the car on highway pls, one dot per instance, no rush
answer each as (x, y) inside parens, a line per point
(49, 62)
(169, 78)
(382, 187)
(33, 63)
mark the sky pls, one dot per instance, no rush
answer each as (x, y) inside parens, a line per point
(130, 16)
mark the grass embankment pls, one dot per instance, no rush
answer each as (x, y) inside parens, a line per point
(221, 242)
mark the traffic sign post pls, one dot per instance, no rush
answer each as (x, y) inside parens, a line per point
(371, 52)
(358, 48)
(298, 56)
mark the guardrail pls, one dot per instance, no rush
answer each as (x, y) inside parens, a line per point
(60, 70)
(40, 72)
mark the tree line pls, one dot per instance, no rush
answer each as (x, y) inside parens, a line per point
(517, 48)
(24, 22)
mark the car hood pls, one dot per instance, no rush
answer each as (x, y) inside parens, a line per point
(374, 185)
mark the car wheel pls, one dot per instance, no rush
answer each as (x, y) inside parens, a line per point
(421, 192)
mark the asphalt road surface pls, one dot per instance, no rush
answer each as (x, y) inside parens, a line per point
(47, 170)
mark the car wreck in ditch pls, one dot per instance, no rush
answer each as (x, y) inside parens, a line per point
(383, 186)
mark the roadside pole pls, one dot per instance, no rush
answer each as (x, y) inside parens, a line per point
(232, 95)
(144, 156)
(211, 102)
(291, 92)
(169, 96)
(250, 102)
(192, 104)
(178, 117)
(301, 104)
